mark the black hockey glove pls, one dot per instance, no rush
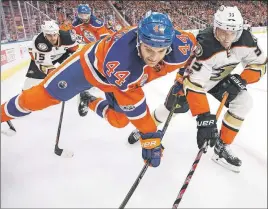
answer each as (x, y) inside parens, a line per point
(234, 84)
(206, 129)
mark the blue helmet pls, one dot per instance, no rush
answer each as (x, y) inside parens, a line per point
(156, 30)
(84, 13)
(84, 9)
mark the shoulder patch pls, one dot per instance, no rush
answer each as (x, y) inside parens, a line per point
(98, 21)
(41, 43)
(42, 46)
(198, 51)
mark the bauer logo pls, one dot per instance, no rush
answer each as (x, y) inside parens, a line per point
(42, 46)
(62, 85)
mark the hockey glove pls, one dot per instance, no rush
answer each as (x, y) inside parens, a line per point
(151, 147)
(234, 84)
(206, 129)
(175, 93)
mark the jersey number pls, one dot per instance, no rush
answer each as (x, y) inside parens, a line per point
(183, 49)
(120, 75)
(39, 56)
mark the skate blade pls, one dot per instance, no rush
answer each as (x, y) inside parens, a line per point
(225, 164)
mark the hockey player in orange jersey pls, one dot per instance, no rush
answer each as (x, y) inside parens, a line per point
(87, 26)
(66, 24)
(119, 65)
(88, 29)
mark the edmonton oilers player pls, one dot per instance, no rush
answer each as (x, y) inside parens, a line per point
(88, 29)
(119, 65)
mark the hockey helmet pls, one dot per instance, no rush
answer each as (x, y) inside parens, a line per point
(50, 27)
(230, 19)
(84, 12)
(156, 30)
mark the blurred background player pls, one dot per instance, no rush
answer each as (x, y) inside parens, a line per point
(48, 50)
(110, 23)
(87, 26)
(151, 50)
(88, 29)
(66, 24)
(219, 50)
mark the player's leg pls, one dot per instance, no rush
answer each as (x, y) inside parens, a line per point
(108, 109)
(238, 107)
(33, 76)
(60, 85)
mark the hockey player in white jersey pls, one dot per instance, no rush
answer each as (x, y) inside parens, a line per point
(48, 49)
(219, 50)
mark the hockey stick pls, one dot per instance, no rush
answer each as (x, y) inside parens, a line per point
(145, 167)
(197, 159)
(11, 131)
(58, 151)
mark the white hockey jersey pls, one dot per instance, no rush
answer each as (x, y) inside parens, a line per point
(211, 63)
(45, 55)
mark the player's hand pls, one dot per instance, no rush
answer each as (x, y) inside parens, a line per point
(151, 147)
(175, 95)
(234, 84)
(206, 129)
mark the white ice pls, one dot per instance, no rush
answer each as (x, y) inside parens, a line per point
(105, 166)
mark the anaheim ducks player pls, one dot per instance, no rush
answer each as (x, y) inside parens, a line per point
(48, 49)
(219, 50)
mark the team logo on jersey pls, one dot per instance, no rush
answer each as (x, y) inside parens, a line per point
(198, 50)
(42, 46)
(89, 36)
(62, 85)
(127, 107)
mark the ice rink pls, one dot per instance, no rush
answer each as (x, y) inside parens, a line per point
(105, 166)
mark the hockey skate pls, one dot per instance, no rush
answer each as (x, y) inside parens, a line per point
(134, 137)
(84, 99)
(224, 157)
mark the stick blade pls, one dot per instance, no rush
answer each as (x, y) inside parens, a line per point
(67, 153)
(63, 152)
(8, 132)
